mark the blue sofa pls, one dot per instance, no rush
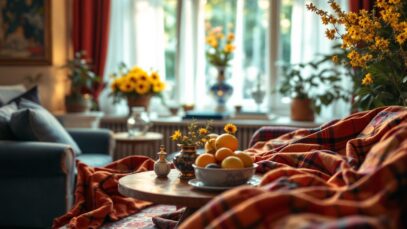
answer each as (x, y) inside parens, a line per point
(37, 178)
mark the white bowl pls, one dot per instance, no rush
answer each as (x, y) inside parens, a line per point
(224, 177)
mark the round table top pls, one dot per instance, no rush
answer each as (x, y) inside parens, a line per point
(149, 136)
(173, 191)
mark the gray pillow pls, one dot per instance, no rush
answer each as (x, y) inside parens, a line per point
(5, 116)
(34, 123)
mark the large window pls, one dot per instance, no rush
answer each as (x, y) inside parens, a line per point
(169, 36)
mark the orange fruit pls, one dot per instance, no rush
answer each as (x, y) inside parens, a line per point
(245, 158)
(232, 162)
(222, 153)
(210, 146)
(228, 141)
(204, 159)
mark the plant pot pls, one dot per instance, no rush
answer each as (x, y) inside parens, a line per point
(184, 160)
(78, 103)
(139, 101)
(301, 110)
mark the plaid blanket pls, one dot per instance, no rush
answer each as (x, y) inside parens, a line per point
(350, 173)
(96, 196)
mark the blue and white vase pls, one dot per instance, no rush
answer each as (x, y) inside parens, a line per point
(221, 91)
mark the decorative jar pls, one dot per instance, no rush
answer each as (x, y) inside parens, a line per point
(184, 160)
(138, 123)
(162, 166)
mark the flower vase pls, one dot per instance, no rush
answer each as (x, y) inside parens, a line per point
(183, 161)
(139, 101)
(221, 91)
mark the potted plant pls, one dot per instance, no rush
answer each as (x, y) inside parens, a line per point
(309, 92)
(83, 81)
(136, 85)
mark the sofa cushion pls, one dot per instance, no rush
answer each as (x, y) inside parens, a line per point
(5, 116)
(95, 160)
(31, 95)
(7, 93)
(34, 123)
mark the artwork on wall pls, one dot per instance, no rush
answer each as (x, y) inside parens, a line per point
(25, 36)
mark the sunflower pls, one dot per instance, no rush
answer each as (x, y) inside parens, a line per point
(126, 86)
(158, 86)
(155, 77)
(142, 87)
(230, 128)
(116, 84)
(136, 70)
(143, 76)
(132, 77)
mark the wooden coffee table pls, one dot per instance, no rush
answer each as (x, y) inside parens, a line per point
(173, 191)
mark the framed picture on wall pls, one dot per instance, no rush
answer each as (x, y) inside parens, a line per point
(25, 36)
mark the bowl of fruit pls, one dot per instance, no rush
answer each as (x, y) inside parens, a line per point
(222, 165)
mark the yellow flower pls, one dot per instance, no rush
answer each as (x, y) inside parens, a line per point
(335, 59)
(132, 77)
(155, 77)
(158, 86)
(367, 80)
(143, 77)
(230, 128)
(176, 135)
(136, 70)
(330, 33)
(142, 87)
(401, 38)
(203, 131)
(231, 37)
(126, 87)
(229, 48)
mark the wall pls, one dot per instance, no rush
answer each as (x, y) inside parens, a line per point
(52, 84)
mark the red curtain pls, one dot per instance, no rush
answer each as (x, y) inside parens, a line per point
(356, 5)
(91, 33)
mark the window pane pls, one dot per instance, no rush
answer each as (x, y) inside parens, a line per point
(170, 30)
(285, 30)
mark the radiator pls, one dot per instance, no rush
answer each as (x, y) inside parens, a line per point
(166, 128)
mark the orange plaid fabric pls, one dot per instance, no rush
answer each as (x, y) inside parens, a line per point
(96, 196)
(351, 173)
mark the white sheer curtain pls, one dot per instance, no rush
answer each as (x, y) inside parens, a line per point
(308, 40)
(135, 38)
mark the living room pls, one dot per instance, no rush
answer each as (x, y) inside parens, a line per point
(203, 113)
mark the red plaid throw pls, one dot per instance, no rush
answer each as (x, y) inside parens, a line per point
(350, 173)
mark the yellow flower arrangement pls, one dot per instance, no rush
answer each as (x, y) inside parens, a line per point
(195, 135)
(219, 48)
(135, 82)
(376, 49)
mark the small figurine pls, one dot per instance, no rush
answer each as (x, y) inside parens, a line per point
(162, 166)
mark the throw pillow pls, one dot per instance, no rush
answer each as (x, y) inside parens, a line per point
(5, 116)
(31, 95)
(9, 92)
(34, 123)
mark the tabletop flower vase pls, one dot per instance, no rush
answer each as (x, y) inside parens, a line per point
(221, 90)
(219, 53)
(183, 161)
(194, 137)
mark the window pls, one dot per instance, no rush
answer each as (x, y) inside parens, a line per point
(173, 42)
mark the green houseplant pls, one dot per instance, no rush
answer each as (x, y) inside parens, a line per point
(83, 81)
(311, 86)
